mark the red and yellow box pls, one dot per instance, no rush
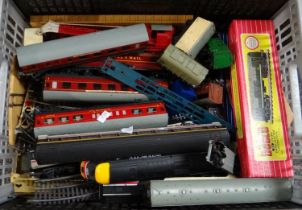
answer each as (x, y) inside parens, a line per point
(260, 116)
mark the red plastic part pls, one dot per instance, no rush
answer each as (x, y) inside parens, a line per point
(144, 61)
(158, 42)
(212, 92)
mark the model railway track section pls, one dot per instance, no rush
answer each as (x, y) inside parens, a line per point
(148, 87)
(118, 134)
(63, 190)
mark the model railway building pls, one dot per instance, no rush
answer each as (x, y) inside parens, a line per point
(179, 59)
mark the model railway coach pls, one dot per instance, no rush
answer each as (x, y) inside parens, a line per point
(260, 85)
(161, 37)
(145, 115)
(88, 89)
(83, 48)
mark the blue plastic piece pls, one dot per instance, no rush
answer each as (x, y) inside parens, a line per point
(154, 91)
(184, 90)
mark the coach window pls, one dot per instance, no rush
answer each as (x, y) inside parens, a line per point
(66, 85)
(82, 85)
(124, 88)
(111, 87)
(97, 86)
(64, 119)
(124, 112)
(77, 117)
(49, 121)
(117, 113)
(136, 111)
(151, 109)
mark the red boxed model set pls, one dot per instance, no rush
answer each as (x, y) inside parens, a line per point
(263, 142)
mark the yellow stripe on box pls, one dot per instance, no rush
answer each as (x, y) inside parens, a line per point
(236, 102)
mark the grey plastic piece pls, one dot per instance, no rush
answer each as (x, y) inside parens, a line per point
(183, 66)
(228, 162)
(101, 96)
(196, 37)
(223, 191)
(79, 45)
